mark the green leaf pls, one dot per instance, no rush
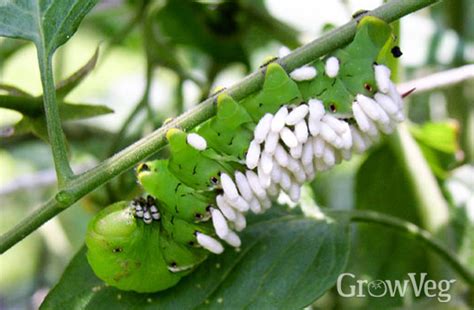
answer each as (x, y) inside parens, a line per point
(32, 107)
(14, 91)
(439, 144)
(47, 23)
(33, 114)
(285, 262)
(382, 185)
(71, 112)
(65, 86)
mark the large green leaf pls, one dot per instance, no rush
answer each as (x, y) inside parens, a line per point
(284, 263)
(383, 185)
(47, 23)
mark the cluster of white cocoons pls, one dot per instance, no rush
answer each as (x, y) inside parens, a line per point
(292, 145)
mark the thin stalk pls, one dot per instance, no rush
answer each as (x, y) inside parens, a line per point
(53, 121)
(179, 96)
(371, 217)
(143, 148)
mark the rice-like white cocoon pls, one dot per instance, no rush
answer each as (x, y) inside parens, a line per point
(318, 147)
(304, 73)
(332, 67)
(327, 133)
(264, 178)
(219, 223)
(383, 116)
(295, 192)
(285, 181)
(239, 204)
(346, 138)
(329, 157)
(278, 121)
(314, 126)
(281, 156)
(369, 106)
(232, 239)
(382, 78)
(360, 117)
(301, 131)
(209, 243)
(288, 137)
(225, 208)
(296, 151)
(395, 95)
(229, 187)
(359, 144)
(300, 175)
(240, 222)
(294, 165)
(386, 103)
(336, 125)
(253, 155)
(267, 163)
(196, 141)
(243, 186)
(271, 142)
(255, 206)
(254, 183)
(307, 155)
(263, 128)
(276, 174)
(297, 114)
(316, 108)
(309, 170)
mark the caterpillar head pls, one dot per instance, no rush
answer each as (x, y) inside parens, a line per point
(125, 252)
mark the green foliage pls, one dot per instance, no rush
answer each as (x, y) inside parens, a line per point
(43, 22)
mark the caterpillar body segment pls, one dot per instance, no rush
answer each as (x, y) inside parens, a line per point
(278, 89)
(190, 165)
(230, 131)
(173, 195)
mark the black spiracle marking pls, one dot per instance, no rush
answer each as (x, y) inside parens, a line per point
(143, 168)
(396, 52)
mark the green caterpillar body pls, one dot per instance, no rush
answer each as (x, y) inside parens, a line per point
(131, 255)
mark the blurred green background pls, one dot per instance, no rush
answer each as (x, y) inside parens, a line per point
(159, 58)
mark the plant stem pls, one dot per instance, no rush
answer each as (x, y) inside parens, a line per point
(143, 148)
(53, 121)
(431, 205)
(410, 229)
